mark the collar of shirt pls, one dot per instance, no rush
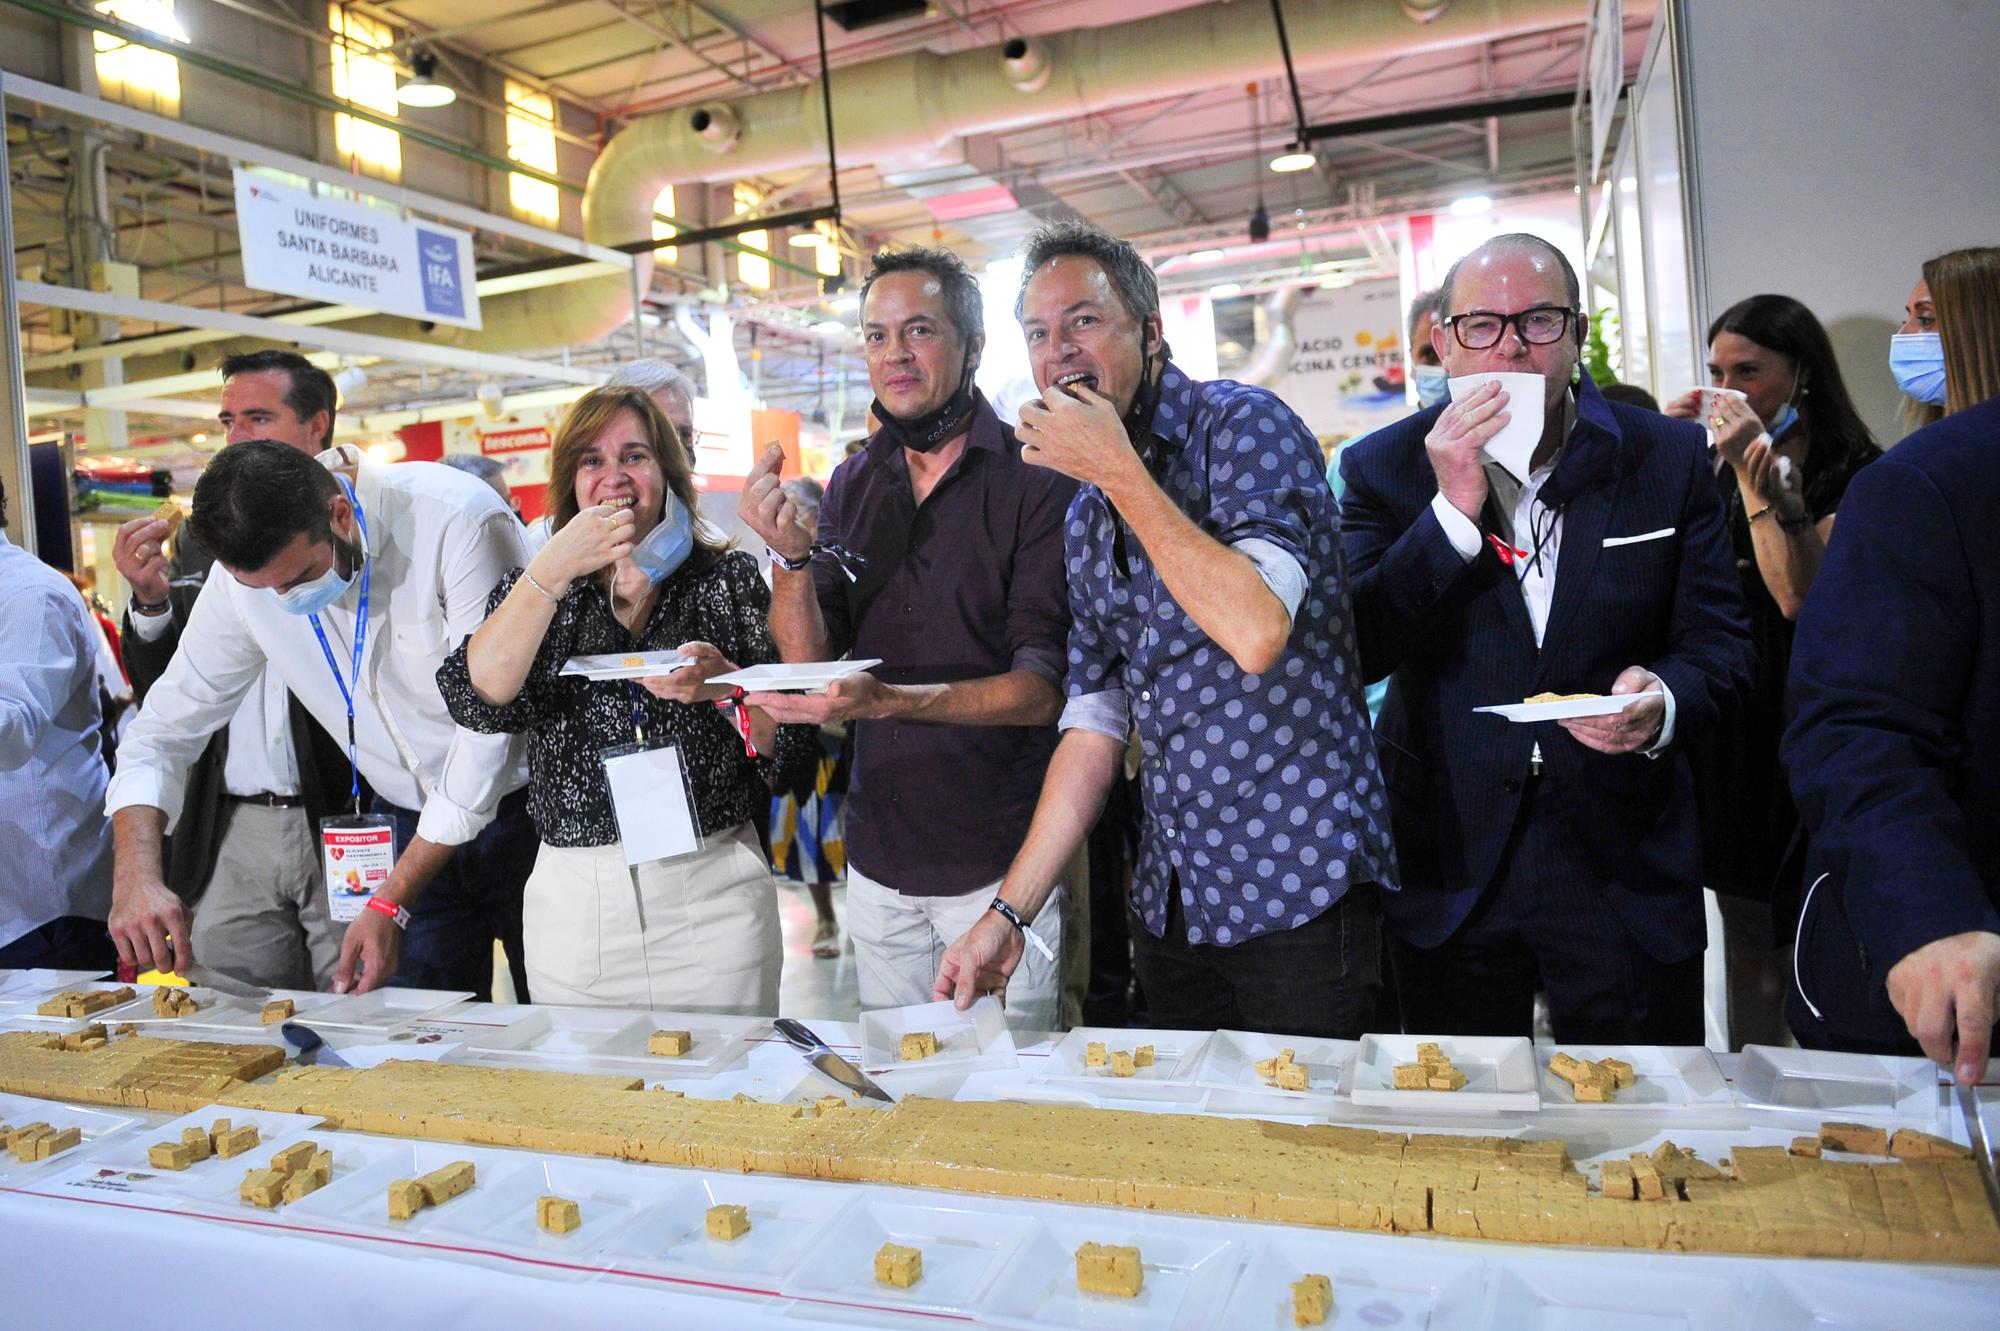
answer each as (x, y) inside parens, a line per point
(982, 431)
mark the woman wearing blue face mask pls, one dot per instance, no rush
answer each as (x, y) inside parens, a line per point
(1785, 451)
(627, 571)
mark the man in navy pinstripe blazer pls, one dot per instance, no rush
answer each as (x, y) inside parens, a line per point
(1562, 856)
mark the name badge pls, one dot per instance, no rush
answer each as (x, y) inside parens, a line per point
(652, 801)
(357, 851)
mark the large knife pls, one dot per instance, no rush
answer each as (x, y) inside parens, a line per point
(1982, 1148)
(833, 1065)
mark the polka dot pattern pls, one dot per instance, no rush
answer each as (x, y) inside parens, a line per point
(1261, 792)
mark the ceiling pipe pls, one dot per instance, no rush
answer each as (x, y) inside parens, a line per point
(913, 107)
(1425, 11)
(1272, 357)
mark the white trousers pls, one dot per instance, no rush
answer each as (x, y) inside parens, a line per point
(899, 941)
(694, 934)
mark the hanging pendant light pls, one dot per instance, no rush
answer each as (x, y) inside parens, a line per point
(423, 89)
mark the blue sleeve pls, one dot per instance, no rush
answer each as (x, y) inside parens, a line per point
(1095, 662)
(1265, 482)
(1882, 664)
(43, 653)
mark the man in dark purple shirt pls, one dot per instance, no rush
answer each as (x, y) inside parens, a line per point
(940, 552)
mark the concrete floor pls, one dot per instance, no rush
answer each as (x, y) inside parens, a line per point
(809, 986)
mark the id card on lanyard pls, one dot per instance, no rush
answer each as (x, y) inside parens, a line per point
(651, 797)
(357, 850)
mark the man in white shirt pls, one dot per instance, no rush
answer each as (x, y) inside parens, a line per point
(56, 848)
(243, 857)
(411, 552)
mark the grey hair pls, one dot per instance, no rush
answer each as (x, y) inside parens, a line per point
(649, 376)
(1431, 303)
(1514, 242)
(476, 464)
(962, 302)
(1130, 275)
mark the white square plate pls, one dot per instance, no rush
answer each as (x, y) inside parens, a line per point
(620, 1036)
(1177, 1058)
(1870, 1301)
(359, 1199)
(794, 676)
(354, 1154)
(1607, 705)
(1609, 1296)
(97, 1126)
(213, 1009)
(1499, 1073)
(1663, 1077)
(1415, 1293)
(378, 1009)
(963, 1250)
(22, 1008)
(670, 1235)
(615, 665)
(32, 986)
(976, 1038)
(119, 1167)
(1232, 1059)
(1187, 1273)
(1823, 1082)
(608, 1197)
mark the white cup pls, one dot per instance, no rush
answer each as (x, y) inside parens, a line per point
(1514, 447)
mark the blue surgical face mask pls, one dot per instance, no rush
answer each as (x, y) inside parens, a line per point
(1788, 416)
(1917, 361)
(309, 598)
(1433, 384)
(668, 545)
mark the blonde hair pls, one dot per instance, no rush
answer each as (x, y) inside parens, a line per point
(1965, 284)
(588, 417)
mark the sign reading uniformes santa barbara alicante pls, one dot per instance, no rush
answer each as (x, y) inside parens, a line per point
(348, 253)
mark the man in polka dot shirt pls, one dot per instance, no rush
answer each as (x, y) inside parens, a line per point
(1210, 611)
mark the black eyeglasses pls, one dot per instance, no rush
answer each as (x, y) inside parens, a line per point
(1537, 327)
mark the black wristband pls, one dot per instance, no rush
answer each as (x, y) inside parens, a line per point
(787, 563)
(140, 607)
(1009, 914)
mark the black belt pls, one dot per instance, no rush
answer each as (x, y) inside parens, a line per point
(265, 799)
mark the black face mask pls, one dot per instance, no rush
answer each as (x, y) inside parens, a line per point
(927, 433)
(1145, 399)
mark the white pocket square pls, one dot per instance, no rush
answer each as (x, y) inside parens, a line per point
(1610, 541)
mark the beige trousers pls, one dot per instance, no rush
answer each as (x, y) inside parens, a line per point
(693, 934)
(263, 917)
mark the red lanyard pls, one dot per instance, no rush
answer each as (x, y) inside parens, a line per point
(735, 700)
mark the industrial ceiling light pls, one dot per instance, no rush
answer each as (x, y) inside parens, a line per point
(1205, 256)
(1471, 204)
(1224, 290)
(806, 240)
(1296, 161)
(424, 90)
(830, 328)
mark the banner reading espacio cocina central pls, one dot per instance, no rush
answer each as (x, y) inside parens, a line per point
(351, 254)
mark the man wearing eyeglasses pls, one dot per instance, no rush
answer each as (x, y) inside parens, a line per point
(1562, 856)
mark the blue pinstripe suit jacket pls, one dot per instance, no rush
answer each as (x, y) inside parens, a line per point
(1451, 636)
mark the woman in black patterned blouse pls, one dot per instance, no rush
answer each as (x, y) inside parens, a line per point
(699, 931)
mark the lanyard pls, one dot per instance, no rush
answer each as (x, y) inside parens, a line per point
(360, 637)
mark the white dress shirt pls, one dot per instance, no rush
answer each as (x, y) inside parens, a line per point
(438, 541)
(259, 760)
(54, 842)
(1536, 570)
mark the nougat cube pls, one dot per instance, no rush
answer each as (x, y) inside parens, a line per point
(406, 1198)
(169, 1155)
(826, 1104)
(1142, 1057)
(262, 1188)
(1807, 1147)
(1122, 1064)
(1410, 1077)
(305, 1182)
(1446, 1079)
(1599, 1091)
(669, 1044)
(1858, 1138)
(1094, 1055)
(557, 1215)
(1428, 1052)
(294, 1157)
(898, 1265)
(55, 1143)
(1621, 1072)
(200, 1146)
(1292, 1077)
(1910, 1144)
(322, 1160)
(1108, 1268)
(727, 1222)
(448, 1181)
(277, 1010)
(237, 1140)
(916, 1045)
(1312, 1300)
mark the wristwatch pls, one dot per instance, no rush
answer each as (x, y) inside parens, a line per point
(140, 607)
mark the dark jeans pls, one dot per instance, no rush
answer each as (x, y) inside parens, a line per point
(68, 942)
(475, 899)
(1318, 979)
(1542, 923)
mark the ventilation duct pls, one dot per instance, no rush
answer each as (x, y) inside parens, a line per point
(1026, 62)
(1270, 358)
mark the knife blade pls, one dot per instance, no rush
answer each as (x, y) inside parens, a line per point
(830, 1064)
(1975, 1132)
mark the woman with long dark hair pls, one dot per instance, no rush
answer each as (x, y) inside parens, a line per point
(1785, 452)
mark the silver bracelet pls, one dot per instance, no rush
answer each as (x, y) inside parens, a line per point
(546, 594)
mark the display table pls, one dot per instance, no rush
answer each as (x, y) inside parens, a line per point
(87, 1247)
